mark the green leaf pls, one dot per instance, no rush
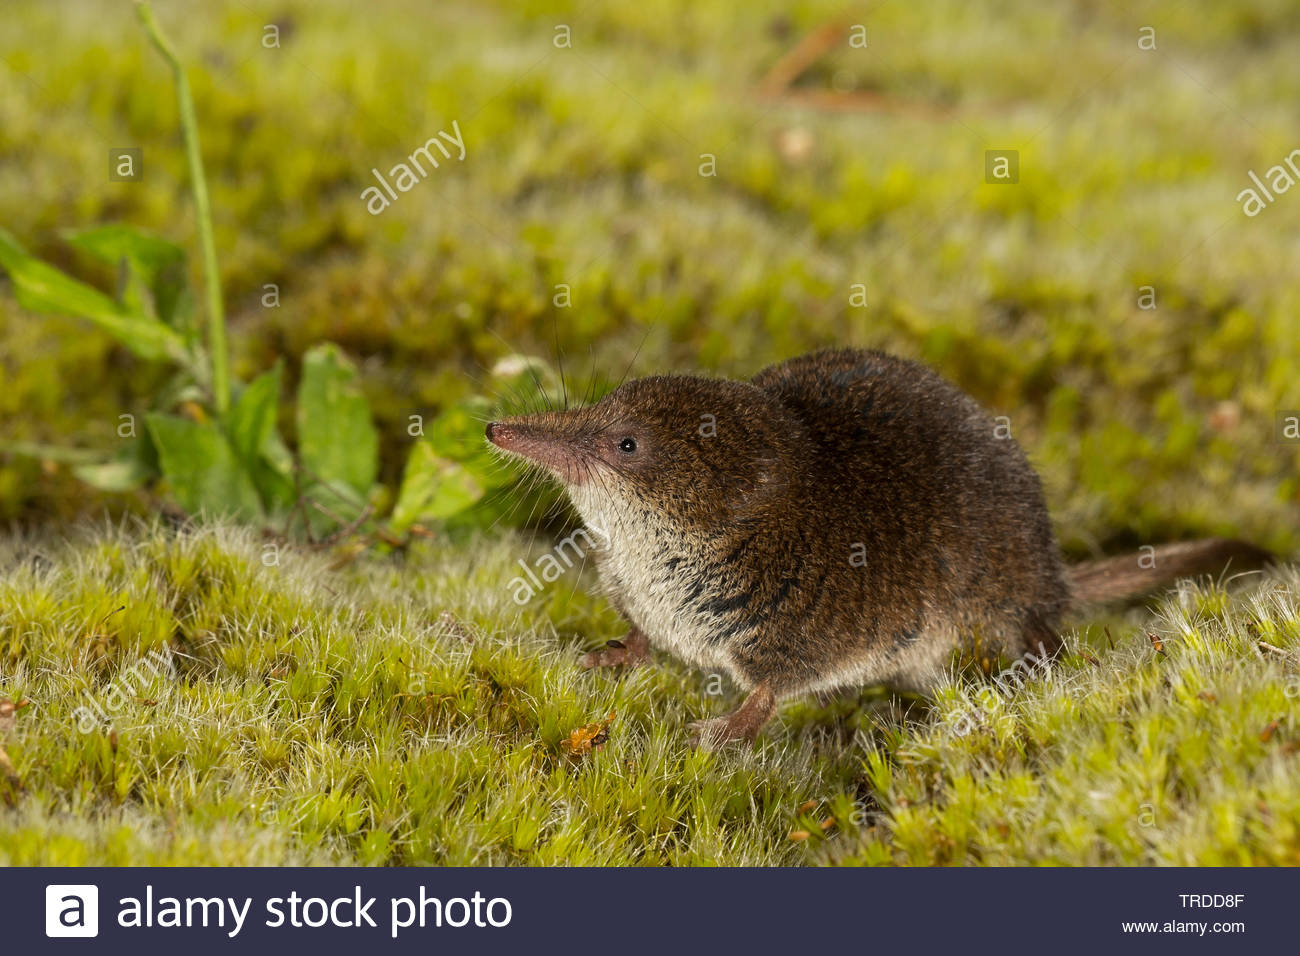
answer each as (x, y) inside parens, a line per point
(275, 488)
(457, 431)
(337, 441)
(179, 389)
(57, 453)
(154, 266)
(202, 468)
(276, 454)
(251, 427)
(111, 244)
(125, 475)
(330, 505)
(179, 310)
(112, 475)
(432, 488)
(457, 434)
(132, 466)
(252, 418)
(42, 288)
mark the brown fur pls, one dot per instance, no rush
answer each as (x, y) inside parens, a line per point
(847, 517)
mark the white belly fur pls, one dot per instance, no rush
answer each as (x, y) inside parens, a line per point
(651, 597)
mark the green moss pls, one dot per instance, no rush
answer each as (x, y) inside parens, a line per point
(248, 705)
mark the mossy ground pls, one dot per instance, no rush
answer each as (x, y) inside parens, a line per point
(325, 715)
(410, 712)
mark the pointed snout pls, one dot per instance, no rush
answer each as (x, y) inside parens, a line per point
(546, 446)
(511, 436)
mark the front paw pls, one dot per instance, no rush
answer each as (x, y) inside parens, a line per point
(613, 654)
(634, 649)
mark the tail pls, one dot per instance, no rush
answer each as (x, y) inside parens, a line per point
(1133, 575)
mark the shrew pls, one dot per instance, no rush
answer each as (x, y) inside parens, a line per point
(845, 518)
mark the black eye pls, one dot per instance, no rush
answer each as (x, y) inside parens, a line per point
(627, 445)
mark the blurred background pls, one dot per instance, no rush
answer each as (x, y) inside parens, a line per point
(703, 186)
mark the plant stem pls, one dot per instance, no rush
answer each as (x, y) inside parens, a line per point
(217, 350)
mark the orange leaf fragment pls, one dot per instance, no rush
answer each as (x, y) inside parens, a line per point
(588, 738)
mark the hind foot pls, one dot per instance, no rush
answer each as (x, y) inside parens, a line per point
(743, 723)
